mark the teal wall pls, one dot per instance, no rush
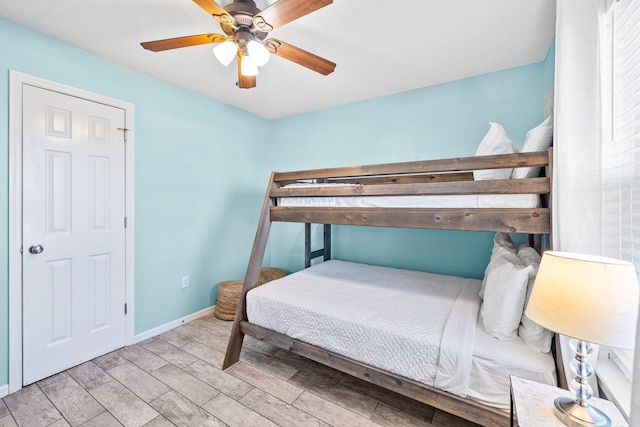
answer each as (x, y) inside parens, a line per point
(189, 158)
(448, 120)
(188, 219)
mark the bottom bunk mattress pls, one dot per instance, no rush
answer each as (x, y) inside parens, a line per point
(419, 325)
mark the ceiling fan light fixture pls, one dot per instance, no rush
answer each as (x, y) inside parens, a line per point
(225, 52)
(248, 66)
(245, 29)
(258, 53)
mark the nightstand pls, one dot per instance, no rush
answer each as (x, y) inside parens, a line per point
(532, 405)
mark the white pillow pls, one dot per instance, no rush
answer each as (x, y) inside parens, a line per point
(533, 334)
(501, 242)
(495, 141)
(538, 139)
(499, 257)
(504, 297)
(528, 255)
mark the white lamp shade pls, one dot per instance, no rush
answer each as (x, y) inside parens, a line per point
(589, 298)
(258, 53)
(225, 52)
(248, 67)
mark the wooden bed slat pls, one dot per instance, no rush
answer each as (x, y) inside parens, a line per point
(447, 402)
(539, 158)
(397, 179)
(530, 221)
(407, 179)
(503, 186)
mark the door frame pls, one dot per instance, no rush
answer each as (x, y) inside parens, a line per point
(16, 82)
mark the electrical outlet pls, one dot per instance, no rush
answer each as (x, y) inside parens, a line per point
(185, 282)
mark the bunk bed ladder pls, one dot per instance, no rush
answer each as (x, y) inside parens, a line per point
(250, 280)
(325, 251)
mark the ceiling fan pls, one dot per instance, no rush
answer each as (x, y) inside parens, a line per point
(246, 28)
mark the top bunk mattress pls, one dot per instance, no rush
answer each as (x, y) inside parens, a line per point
(418, 325)
(440, 201)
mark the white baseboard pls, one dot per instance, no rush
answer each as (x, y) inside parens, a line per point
(171, 325)
(4, 390)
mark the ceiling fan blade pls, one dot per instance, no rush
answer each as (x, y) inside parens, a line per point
(285, 11)
(175, 43)
(244, 82)
(214, 9)
(300, 56)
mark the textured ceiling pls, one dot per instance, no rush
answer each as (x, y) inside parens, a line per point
(380, 47)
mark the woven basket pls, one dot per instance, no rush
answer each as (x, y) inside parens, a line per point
(229, 292)
(268, 274)
(228, 296)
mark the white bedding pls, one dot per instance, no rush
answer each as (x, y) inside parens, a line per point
(494, 360)
(419, 325)
(448, 201)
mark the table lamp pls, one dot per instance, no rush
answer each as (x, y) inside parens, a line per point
(591, 299)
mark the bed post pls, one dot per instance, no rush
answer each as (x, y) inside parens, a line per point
(324, 252)
(307, 245)
(251, 278)
(327, 242)
(536, 240)
(550, 201)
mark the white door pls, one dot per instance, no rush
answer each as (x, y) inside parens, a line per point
(73, 231)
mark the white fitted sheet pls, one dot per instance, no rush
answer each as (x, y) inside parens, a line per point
(447, 201)
(396, 320)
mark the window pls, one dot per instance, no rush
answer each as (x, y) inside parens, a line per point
(621, 153)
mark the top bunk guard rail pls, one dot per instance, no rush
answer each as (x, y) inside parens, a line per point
(421, 178)
(503, 186)
(460, 164)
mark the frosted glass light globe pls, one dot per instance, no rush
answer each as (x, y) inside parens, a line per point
(225, 52)
(248, 66)
(258, 52)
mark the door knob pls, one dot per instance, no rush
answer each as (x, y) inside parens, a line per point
(36, 249)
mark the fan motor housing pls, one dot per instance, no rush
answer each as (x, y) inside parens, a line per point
(243, 12)
(247, 7)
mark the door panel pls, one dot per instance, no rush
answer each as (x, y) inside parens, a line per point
(73, 206)
(58, 192)
(58, 310)
(99, 280)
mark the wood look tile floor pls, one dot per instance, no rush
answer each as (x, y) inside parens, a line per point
(175, 379)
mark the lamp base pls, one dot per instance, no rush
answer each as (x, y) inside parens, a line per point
(575, 415)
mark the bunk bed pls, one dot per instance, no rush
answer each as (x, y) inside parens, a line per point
(431, 194)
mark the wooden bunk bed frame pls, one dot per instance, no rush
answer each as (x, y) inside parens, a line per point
(430, 177)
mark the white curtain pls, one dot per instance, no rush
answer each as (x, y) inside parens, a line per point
(635, 393)
(577, 199)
